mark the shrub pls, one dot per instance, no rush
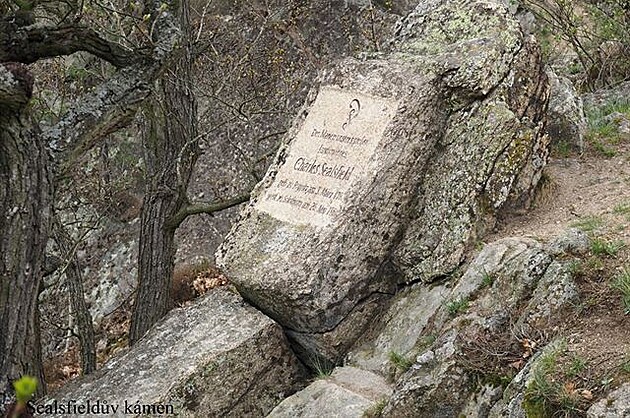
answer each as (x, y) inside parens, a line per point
(596, 31)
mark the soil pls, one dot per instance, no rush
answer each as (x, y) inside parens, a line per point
(575, 189)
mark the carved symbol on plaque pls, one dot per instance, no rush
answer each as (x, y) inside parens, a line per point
(355, 108)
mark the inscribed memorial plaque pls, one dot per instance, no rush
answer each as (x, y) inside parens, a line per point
(329, 153)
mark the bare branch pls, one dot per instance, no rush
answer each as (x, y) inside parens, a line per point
(31, 43)
(205, 207)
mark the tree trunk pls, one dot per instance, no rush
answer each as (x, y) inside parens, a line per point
(170, 143)
(26, 187)
(25, 206)
(80, 311)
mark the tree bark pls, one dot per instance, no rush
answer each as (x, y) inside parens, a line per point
(34, 42)
(26, 186)
(80, 311)
(26, 192)
(170, 143)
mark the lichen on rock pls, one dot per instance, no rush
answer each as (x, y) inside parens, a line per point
(465, 141)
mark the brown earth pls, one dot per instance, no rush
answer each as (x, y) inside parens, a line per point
(587, 189)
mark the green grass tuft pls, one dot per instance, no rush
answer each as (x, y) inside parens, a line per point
(588, 224)
(600, 246)
(622, 283)
(400, 361)
(457, 306)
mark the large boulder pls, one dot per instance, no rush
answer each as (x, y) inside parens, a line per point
(394, 167)
(217, 357)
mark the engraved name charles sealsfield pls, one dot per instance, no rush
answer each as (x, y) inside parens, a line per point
(330, 152)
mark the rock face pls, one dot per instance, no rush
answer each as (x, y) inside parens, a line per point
(218, 357)
(567, 123)
(347, 393)
(616, 404)
(512, 275)
(393, 168)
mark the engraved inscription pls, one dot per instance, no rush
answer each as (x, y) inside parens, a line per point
(329, 154)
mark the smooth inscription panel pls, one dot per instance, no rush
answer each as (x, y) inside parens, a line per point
(327, 156)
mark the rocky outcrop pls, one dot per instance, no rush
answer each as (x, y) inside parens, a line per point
(394, 167)
(512, 288)
(217, 357)
(567, 123)
(615, 404)
(348, 392)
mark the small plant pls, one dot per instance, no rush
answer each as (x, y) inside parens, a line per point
(486, 279)
(457, 306)
(625, 366)
(575, 268)
(603, 149)
(622, 283)
(25, 388)
(588, 224)
(426, 341)
(595, 263)
(400, 361)
(376, 410)
(563, 148)
(576, 366)
(552, 390)
(600, 246)
(322, 368)
(623, 209)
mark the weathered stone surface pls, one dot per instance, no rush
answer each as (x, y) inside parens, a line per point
(510, 275)
(217, 357)
(348, 392)
(480, 403)
(615, 404)
(571, 241)
(393, 168)
(399, 328)
(567, 123)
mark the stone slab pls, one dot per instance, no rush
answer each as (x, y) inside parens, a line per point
(330, 153)
(217, 357)
(349, 392)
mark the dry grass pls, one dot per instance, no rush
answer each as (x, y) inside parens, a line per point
(61, 368)
(594, 356)
(193, 280)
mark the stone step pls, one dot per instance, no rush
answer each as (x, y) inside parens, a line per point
(348, 392)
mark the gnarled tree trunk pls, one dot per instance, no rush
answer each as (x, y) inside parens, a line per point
(26, 193)
(26, 180)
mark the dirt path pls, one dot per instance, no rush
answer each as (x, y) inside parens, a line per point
(590, 189)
